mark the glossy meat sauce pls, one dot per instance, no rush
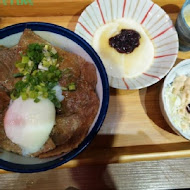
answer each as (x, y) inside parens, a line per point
(78, 109)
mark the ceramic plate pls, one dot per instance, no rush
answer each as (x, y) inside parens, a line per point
(155, 22)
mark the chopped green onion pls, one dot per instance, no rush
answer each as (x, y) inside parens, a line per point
(25, 59)
(45, 63)
(13, 97)
(60, 59)
(35, 82)
(36, 100)
(24, 95)
(46, 47)
(20, 65)
(66, 71)
(64, 88)
(53, 50)
(32, 94)
(72, 87)
(57, 104)
(45, 95)
(18, 75)
(54, 56)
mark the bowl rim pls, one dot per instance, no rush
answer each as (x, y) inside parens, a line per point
(43, 26)
(163, 105)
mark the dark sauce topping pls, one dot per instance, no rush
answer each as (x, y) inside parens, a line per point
(126, 41)
(188, 108)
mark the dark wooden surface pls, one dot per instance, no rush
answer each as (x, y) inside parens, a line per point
(165, 174)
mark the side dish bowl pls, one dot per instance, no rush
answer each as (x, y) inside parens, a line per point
(69, 41)
(156, 24)
(166, 99)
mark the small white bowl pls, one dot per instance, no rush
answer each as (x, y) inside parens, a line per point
(183, 68)
(155, 22)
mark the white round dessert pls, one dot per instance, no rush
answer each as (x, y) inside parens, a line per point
(122, 64)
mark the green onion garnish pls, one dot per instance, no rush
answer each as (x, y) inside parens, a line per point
(18, 75)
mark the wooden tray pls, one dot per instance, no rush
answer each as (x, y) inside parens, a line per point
(134, 128)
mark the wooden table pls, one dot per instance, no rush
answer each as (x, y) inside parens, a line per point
(134, 128)
(146, 175)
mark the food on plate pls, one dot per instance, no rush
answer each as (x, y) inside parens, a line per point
(177, 95)
(48, 98)
(124, 47)
(32, 120)
(126, 41)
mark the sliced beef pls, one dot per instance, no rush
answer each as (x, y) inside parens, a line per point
(79, 107)
(64, 128)
(77, 137)
(88, 72)
(4, 103)
(75, 67)
(5, 143)
(29, 37)
(4, 100)
(8, 58)
(68, 63)
(49, 145)
(70, 131)
(8, 145)
(78, 101)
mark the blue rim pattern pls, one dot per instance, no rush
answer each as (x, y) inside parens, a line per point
(41, 26)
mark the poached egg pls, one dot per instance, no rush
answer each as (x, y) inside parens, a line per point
(29, 124)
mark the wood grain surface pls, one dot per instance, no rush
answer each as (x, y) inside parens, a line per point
(134, 128)
(65, 7)
(154, 175)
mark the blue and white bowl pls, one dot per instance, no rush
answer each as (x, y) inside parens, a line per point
(71, 42)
